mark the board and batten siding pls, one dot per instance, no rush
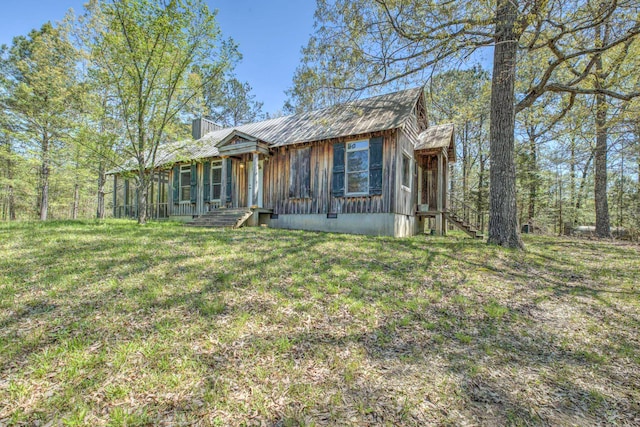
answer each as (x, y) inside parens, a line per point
(276, 190)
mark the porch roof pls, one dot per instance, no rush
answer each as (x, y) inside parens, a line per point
(438, 137)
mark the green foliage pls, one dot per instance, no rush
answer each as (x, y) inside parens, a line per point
(158, 59)
(233, 104)
(39, 96)
(565, 49)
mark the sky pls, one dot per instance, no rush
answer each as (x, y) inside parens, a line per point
(270, 35)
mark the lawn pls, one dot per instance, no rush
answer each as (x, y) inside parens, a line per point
(115, 324)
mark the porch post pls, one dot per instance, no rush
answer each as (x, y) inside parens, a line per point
(445, 189)
(256, 180)
(158, 191)
(439, 215)
(420, 201)
(223, 183)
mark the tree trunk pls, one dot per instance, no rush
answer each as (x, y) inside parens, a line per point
(11, 203)
(102, 179)
(76, 201)
(143, 185)
(11, 208)
(572, 181)
(560, 220)
(480, 199)
(583, 182)
(503, 214)
(465, 170)
(603, 227)
(533, 177)
(44, 178)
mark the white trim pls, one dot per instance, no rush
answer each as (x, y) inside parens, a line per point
(404, 156)
(215, 164)
(184, 168)
(346, 167)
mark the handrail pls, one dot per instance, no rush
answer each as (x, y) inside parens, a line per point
(464, 211)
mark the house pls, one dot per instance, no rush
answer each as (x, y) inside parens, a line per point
(370, 166)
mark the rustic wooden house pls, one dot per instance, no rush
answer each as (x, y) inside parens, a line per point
(371, 166)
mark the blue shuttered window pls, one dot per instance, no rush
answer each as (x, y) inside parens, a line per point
(375, 166)
(337, 182)
(360, 164)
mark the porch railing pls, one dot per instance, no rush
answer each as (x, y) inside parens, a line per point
(154, 211)
(477, 219)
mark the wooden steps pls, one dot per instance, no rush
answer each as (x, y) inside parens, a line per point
(222, 218)
(463, 225)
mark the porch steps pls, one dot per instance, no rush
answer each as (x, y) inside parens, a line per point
(222, 218)
(463, 225)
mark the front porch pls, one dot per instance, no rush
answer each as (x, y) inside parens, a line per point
(233, 179)
(434, 151)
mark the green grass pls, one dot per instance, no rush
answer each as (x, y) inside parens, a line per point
(112, 324)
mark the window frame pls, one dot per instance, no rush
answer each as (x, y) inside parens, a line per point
(406, 158)
(215, 164)
(181, 199)
(346, 168)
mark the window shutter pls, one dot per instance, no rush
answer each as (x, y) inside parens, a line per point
(176, 184)
(194, 183)
(337, 185)
(375, 166)
(228, 189)
(206, 182)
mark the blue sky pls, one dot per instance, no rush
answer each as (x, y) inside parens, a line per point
(270, 34)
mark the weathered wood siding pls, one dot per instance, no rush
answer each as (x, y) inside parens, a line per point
(239, 167)
(321, 201)
(406, 199)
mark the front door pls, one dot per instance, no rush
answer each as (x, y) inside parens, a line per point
(250, 184)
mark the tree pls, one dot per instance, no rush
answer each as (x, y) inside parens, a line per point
(158, 57)
(233, 104)
(462, 97)
(41, 95)
(361, 44)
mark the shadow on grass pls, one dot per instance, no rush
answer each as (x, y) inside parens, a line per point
(425, 294)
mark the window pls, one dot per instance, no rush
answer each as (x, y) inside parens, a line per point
(185, 183)
(216, 179)
(357, 167)
(406, 171)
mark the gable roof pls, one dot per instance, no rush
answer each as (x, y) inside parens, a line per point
(436, 137)
(389, 111)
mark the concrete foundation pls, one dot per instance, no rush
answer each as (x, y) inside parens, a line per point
(371, 224)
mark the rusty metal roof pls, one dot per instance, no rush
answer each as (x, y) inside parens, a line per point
(382, 112)
(389, 111)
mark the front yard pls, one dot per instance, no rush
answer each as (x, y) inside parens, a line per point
(115, 324)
